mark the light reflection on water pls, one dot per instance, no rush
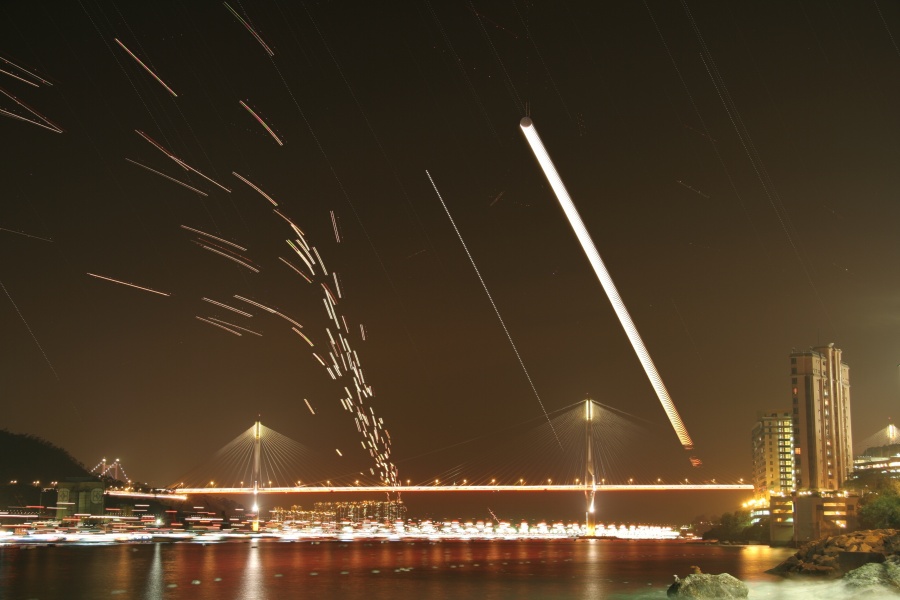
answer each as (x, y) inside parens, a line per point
(494, 570)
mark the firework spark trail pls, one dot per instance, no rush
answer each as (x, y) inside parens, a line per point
(24, 70)
(288, 319)
(309, 406)
(209, 235)
(301, 334)
(172, 179)
(139, 287)
(49, 123)
(30, 332)
(146, 68)
(14, 76)
(337, 236)
(606, 281)
(228, 256)
(28, 235)
(256, 304)
(262, 193)
(214, 324)
(21, 118)
(235, 326)
(250, 29)
(225, 306)
(296, 270)
(263, 123)
(183, 164)
(496, 310)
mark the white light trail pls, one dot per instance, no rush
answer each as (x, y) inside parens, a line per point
(252, 185)
(605, 280)
(139, 287)
(496, 310)
(231, 308)
(209, 235)
(172, 179)
(228, 329)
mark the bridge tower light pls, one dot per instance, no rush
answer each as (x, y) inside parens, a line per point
(590, 481)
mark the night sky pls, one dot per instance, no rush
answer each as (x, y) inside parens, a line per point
(735, 164)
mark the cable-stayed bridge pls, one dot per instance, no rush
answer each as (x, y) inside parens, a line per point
(262, 461)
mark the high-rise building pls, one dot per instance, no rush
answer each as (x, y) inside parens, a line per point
(823, 446)
(773, 454)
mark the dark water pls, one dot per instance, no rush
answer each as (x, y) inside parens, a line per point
(373, 570)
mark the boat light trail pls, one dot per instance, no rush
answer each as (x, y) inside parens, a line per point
(496, 310)
(146, 68)
(606, 281)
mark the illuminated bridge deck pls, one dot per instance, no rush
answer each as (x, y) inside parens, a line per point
(357, 489)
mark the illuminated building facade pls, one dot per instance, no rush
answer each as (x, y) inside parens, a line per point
(823, 446)
(773, 454)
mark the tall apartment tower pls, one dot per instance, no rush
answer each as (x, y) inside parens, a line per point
(773, 454)
(823, 447)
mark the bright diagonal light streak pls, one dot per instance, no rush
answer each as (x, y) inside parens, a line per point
(496, 310)
(605, 280)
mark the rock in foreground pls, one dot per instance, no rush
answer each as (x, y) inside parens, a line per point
(833, 556)
(875, 577)
(704, 585)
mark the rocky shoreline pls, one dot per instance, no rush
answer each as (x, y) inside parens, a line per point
(862, 564)
(835, 556)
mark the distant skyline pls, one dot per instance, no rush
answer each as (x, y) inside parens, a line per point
(735, 165)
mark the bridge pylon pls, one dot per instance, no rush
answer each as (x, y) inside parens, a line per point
(257, 431)
(590, 480)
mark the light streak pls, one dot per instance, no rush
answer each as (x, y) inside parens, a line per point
(28, 327)
(338, 451)
(321, 262)
(362, 331)
(209, 235)
(24, 70)
(235, 326)
(146, 68)
(231, 308)
(587, 244)
(219, 326)
(309, 406)
(289, 222)
(32, 111)
(337, 286)
(337, 236)
(250, 29)
(172, 179)
(300, 333)
(229, 257)
(328, 292)
(319, 358)
(139, 287)
(21, 118)
(296, 270)
(496, 310)
(262, 193)
(288, 319)
(28, 235)
(256, 304)
(183, 164)
(14, 76)
(261, 122)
